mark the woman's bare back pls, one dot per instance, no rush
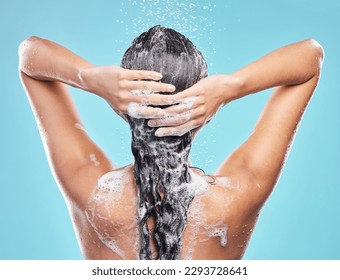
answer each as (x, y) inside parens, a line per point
(217, 226)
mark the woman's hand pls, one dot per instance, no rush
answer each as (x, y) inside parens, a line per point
(196, 105)
(119, 87)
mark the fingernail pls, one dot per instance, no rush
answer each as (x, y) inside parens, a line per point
(171, 87)
(158, 76)
(150, 123)
(158, 134)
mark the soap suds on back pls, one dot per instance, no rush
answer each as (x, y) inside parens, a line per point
(104, 212)
(218, 231)
(227, 182)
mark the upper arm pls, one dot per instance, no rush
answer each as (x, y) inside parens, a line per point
(259, 161)
(67, 147)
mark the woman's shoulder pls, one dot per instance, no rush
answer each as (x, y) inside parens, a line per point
(97, 179)
(114, 196)
(226, 201)
(239, 190)
(115, 178)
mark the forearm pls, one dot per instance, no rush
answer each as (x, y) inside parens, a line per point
(290, 65)
(294, 64)
(45, 60)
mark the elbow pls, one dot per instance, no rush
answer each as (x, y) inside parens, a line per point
(314, 57)
(27, 44)
(25, 51)
(318, 49)
(318, 52)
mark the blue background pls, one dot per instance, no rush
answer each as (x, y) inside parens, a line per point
(301, 220)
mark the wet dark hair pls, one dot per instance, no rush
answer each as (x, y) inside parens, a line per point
(161, 168)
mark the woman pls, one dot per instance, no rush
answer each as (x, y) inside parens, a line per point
(160, 207)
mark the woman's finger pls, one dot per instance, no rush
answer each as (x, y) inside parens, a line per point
(161, 99)
(176, 131)
(139, 111)
(145, 98)
(184, 105)
(184, 100)
(189, 92)
(140, 75)
(171, 121)
(156, 99)
(147, 85)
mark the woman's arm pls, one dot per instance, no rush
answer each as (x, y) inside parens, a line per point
(290, 65)
(45, 67)
(294, 70)
(47, 61)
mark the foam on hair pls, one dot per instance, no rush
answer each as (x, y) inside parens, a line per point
(166, 186)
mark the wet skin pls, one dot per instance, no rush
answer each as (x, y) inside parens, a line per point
(220, 221)
(78, 163)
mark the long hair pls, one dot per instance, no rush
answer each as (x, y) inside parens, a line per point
(161, 168)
